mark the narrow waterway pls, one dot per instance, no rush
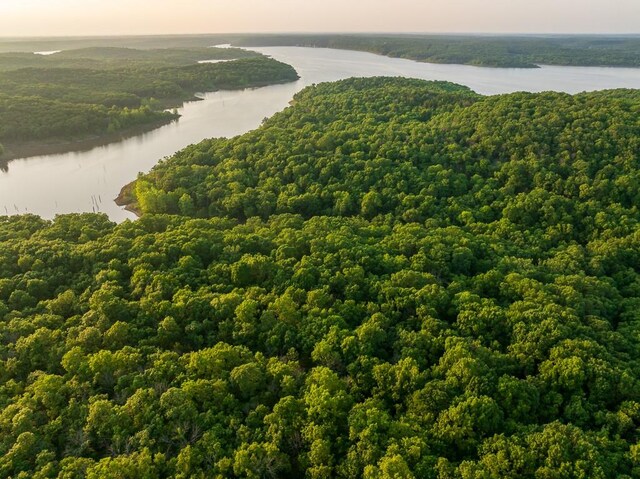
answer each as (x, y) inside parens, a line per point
(89, 180)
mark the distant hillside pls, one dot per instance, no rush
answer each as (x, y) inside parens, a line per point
(489, 51)
(525, 51)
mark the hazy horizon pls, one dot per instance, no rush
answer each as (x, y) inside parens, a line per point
(327, 32)
(44, 18)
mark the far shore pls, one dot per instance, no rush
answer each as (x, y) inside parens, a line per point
(21, 150)
(14, 151)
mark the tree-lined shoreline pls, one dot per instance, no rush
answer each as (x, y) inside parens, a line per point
(84, 97)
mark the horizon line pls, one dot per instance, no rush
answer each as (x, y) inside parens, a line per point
(466, 33)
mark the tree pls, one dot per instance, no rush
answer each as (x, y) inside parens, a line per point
(259, 461)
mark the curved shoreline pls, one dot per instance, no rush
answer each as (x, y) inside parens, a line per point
(25, 150)
(67, 183)
(18, 151)
(127, 199)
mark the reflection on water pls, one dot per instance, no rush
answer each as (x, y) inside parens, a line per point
(88, 181)
(214, 61)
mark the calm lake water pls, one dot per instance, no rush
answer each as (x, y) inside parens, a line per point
(90, 180)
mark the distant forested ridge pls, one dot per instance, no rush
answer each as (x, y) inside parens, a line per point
(490, 51)
(97, 91)
(118, 58)
(523, 51)
(390, 279)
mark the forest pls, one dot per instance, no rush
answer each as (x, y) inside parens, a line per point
(94, 92)
(390, 279)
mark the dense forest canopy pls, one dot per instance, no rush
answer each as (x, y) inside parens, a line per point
(390, 279)
(96, 91)
(486, 50)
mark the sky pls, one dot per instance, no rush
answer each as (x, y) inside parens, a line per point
(126, 17)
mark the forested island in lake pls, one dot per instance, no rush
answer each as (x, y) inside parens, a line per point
(50, 102)
(391, 278)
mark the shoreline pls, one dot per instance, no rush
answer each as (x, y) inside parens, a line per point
(127, 198)
(25, 150)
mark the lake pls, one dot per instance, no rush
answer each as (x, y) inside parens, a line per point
(89, 180)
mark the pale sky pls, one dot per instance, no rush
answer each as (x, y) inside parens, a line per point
(116, 17)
